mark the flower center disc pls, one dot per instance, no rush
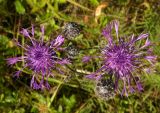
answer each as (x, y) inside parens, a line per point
(38, 55)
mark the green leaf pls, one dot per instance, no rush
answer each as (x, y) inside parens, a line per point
(94, 2)
(60, 109)
(19, 7)
(61, 1)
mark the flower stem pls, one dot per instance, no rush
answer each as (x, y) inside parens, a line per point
(54, 95)
(76, 4)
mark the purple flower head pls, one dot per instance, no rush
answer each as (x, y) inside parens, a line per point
(40, 57)
(123, 58)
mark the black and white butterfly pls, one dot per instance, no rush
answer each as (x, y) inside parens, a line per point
(71, 30)
(105, 88)
(72, 51)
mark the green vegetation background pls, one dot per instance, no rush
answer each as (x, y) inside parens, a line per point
(77, 95)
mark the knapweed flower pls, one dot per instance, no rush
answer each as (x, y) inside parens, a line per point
(40, 57)
(124, 58)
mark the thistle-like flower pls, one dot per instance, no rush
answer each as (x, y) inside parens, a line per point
(40, 57)
(124, 58)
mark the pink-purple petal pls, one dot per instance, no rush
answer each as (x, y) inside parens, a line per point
(91, 76)
(142, 36)
(151, 59)
(147, 43)
(107, 33)
(58, 41)
(86, 59)
(25, 32)
(116, 24)
(32, 30)
(63, 61)
(42, 31)
(14, 60)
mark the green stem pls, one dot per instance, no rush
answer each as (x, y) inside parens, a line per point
(76, 4)
(60, 82)
(54, 95)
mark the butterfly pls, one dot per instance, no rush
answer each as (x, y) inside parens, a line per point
(105, 88)
(71, 30)
(72, 51)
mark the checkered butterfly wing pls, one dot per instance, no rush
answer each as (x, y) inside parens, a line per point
(105, 88)
(71, 30)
